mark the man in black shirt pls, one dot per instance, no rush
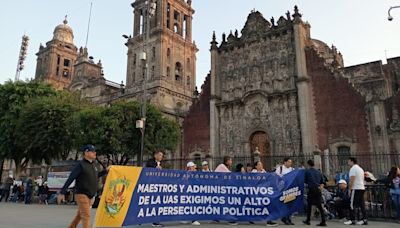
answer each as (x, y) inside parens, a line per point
(86, 176)
(314, 180)
(155, 162)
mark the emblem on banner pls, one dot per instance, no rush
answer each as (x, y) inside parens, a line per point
(115, 197)
(290, 195)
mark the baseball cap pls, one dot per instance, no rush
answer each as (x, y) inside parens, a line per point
(89, 147)
(342, 182)
(190, 164)
(204, 163)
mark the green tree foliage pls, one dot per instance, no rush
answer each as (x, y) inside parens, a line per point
(43, 126)
(113, 130)
(13, 96)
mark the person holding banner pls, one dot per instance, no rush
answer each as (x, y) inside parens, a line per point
(314, 181)
(155, 162)
(226, 166)
(281, 171)
(191, 167)
(86, 176)
(259, 168)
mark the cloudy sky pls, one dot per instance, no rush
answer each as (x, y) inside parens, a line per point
(358, 28)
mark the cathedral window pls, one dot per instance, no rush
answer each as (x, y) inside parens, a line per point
(134, 59)
(168, 15)
(176, 28)
(168, 71)
(66, 62)
(188, 81)
(152, 71)
(343, 155)
(141, 23)
(178, 72)
(66, 73)
(153, 52)
(57, 71)
(58, 60)
(176, 15)
(168, 53)
(184, 33)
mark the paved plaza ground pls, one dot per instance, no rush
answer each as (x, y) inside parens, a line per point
(53, 216)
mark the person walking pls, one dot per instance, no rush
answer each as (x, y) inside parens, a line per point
(314, 180)
(156, 162)
(394, 184)
(282, 170)
(28, 190)
(7, 188)
(357, 190)
(86, 185)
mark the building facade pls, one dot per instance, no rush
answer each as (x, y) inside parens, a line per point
(275, 91)
(170, 56)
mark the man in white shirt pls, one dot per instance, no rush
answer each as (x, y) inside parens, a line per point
(357, 190)
(281, 171)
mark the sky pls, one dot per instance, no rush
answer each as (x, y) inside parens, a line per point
(358, 28)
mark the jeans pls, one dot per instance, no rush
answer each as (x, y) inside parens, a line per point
(396, 200)
(83, 214)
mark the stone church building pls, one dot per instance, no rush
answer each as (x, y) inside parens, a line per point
(273, 90)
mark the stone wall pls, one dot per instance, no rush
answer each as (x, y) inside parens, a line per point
(196, 127)
(340, 109)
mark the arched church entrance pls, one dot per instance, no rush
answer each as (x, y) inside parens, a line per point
(260, 149)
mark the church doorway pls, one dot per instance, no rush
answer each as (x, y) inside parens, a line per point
(259, 141)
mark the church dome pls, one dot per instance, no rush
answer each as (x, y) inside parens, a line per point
(64, 33)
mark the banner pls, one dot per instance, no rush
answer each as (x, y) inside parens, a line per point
(134, 195)
(56, 180)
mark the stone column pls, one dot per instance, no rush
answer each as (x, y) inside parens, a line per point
(214, 116)
(306, 107)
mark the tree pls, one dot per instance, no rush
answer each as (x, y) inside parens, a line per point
(113, 131)
(13, 95)
(43, 127)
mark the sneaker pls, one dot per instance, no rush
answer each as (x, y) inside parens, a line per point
(306, 222)
(195, 223)
(271, 224)
(362, 222)
(157, 225)
(233, 223)
(321, 224)
(349, 222)
(286, 222)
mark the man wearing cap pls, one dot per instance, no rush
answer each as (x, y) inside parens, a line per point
(342, 200)
(205, 167)
(86, 185)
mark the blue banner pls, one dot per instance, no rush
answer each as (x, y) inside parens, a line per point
(173, 195)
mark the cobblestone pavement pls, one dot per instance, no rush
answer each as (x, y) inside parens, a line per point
(53, 216)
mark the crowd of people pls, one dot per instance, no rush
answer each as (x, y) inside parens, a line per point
(27, 190)
(344, 203)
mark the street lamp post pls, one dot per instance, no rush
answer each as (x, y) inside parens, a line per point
(141, 124)
(390, 18)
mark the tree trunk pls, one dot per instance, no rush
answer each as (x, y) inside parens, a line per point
(1, 169)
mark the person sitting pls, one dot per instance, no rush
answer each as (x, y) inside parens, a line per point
(341, 202)
(43, 193)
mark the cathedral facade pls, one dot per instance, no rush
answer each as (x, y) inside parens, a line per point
(273, 90)
(277, 92)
